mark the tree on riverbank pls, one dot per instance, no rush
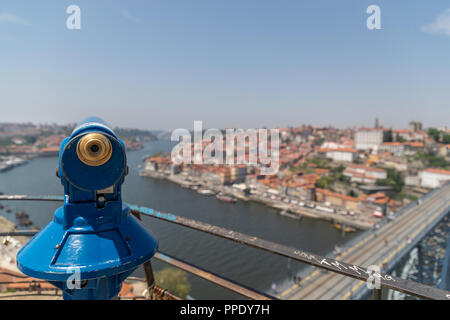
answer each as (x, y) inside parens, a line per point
(174, 280)
(431, 160)
(394, 179)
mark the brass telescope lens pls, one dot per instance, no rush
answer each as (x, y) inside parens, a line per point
(94, 149)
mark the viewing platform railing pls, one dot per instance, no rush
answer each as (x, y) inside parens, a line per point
(386, 281)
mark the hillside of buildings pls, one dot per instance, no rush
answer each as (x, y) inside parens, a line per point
(364, 172)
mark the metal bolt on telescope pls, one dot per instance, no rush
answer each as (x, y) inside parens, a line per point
(93, 242)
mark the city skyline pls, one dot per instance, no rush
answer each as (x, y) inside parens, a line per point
(236, 64)
(350, 127)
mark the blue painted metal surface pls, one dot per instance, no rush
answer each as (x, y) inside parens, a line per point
(93, 242)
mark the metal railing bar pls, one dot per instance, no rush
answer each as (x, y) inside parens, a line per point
(163, 294)
(18, 233)
(22, 197)
(29, 295)
(21, 282)
(212, 277)
(377, 294)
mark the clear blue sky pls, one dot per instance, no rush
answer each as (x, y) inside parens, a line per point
(231, 63)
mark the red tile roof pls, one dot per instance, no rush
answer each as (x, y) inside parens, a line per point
(338, 150)
(337, 195)
(437, 171)
(401, 131)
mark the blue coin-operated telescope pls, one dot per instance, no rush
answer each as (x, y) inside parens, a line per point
(93, 243)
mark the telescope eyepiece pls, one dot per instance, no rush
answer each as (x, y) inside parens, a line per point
(94, 149)
(92, 159)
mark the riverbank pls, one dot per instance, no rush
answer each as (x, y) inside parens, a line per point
(337, 219)
(9, 162)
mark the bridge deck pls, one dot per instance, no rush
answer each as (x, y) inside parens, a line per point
(389, 242)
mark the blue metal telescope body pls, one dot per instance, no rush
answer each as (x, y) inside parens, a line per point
(93, 242)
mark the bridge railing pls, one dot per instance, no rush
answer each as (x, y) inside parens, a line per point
(353, 271)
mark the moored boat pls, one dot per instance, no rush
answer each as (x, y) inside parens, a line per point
(226, 198)
(206, 192)
(345, 228)
(288, 213)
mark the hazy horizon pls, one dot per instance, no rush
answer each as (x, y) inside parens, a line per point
(221, 128)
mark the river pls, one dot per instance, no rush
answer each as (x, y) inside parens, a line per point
(249, 266)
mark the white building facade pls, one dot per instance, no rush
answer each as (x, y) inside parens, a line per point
(433, 178)
(344, 154)
(368, 138)
(362, 174)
